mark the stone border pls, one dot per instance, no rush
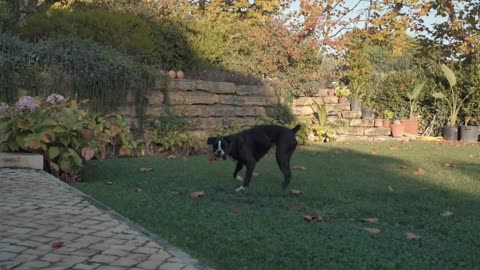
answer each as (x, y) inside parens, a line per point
(167, 246)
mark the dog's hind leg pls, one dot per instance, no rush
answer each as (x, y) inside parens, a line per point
(248, 177)
(235, 172)
(283, 160)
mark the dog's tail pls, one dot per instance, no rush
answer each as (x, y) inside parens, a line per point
(296, 128)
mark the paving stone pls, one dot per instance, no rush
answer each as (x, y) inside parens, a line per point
(82, 266)
(110, 268)
(34, 265)
(104, 258)
(146, 250)
(13, 248)
(7, 255)
(172, 266)
(89, 239)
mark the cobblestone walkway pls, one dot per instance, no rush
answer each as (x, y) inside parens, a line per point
(36, 210)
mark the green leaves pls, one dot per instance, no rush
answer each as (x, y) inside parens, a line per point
(416, 91)
(452, 80)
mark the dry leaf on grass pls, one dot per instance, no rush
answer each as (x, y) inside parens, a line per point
(372, 230)
(296, 192)
(108, 183)
(403, 167)
(138, 190)
(412, 236)
(172, 156)
(448, 165)
(235, 211)
(198, 194)
(390, 188)
(175, 193)
(373, 220)
(145, 169)
(255, 174)
(419, 171)
(446, 214)
(56, 244)
(314, 218)
(302, 168)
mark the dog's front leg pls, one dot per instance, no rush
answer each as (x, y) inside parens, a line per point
(237, 169)
(248, 177)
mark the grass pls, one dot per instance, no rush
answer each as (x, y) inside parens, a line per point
(264, 228)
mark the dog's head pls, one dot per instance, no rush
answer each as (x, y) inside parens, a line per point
(220, 146)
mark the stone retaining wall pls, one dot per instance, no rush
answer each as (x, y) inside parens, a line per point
(216, 104)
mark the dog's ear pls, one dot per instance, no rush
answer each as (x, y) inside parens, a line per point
(211, 140)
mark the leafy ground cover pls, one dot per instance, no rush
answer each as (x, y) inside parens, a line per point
(431, 190)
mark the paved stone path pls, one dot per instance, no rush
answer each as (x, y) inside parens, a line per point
(37, 209)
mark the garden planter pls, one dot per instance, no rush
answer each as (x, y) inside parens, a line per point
(378, 122)
(450, 133)
(356, 105)
(367, 114)
(342, 100)
(180, 75)
(386, 123)
(469, 133)
(411, 126)
(172, 74)
(397, 130)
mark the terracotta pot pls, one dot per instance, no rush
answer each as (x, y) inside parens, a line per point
(342, 100)
(411, 126)
(180, 75)
(378, 122)
(397, 130)
(331, 93)
(386, 123)
(172, 74)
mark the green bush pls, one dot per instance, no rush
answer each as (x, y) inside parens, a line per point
(63, 133)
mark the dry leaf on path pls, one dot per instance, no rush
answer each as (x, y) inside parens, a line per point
(448, 165)
(390, 188)
(145, 169)
(372, 230)
(373, 220)
(412, 236)
(446, 214)
(296, 192)
(302, 168)
(56, 244)
(419, 171)
(198, 194)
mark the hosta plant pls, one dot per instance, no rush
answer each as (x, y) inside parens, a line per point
(64, 133)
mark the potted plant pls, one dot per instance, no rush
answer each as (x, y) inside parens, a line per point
(342, 93)
(453, 98)
(387, 118)
(469, 133)
(367, 108)
(378, 122)
(397, 129)
(411, 124)
(356, 86)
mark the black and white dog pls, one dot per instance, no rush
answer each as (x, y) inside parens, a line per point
(249, 146)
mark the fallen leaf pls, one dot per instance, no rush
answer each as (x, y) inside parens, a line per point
(235, 211)
(373, 220)
(446, 214)
(198, 194)
(374, 152)
(470, 156)
(372, 230)
(175, 193)
(145, 169)
(212, 158)
(390, 188)
(185, 158)
(255, 174)
(448, 165)
(296, 192)
(314, 218)
(403, 167)
(302, 168)
(317, 153)
(56, 244)
(412, 236)
(393, 148)
(419, 171)
(172, 156)
(138, 190)
(108, 183)
(88, 152)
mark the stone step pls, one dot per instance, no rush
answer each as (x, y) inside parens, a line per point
(21, 160)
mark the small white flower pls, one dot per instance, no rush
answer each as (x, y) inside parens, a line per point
(54, 99)
(311, 137)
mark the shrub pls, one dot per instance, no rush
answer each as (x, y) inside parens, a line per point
(63, 133)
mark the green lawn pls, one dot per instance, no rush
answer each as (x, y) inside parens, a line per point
(264, 228)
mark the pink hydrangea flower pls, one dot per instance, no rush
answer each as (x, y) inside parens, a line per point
(27, 103)
(54, 99)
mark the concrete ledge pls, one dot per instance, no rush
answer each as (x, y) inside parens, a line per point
(21, 160)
